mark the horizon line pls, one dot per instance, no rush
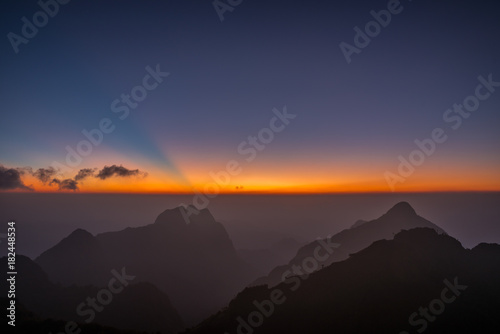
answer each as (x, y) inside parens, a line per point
(242, 193)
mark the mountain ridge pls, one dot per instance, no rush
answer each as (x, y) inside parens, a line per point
(172, 253)
(154, 312)
(379, 289)
(399, 217)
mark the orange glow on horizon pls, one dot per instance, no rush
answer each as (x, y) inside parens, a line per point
(272, 179)
(161, 187)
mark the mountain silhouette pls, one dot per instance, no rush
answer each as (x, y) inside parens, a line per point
(420, 281)
(188, 256)
(358, 223)
(400, 217)
(28, 322)
(265, 259)
(74, 259)
(141, 306)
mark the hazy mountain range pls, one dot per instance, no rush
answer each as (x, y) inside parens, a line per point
(420, 281)
(141, 306)
(184, 268)
(400, 217)
(194, 263)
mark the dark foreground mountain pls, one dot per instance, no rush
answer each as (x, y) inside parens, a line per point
(28, 323)
(418, 282)
(189, 256)
(362, 234)
(121, 303)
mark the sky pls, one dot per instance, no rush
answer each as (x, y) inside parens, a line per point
(258, 96)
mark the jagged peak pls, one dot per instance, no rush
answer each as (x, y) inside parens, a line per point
(184, 214)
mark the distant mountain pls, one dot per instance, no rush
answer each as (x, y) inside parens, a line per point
(193, 261)
(268, 258)
(419, 282)
(400, 217)
(358, 223)
(130, 306)
(75, 259)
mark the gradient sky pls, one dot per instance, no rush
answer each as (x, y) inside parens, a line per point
(353, 120)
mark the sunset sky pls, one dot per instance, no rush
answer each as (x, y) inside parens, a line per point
(347, 125)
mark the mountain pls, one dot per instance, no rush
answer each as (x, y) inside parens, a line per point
(77, 259)
(358, 223)
(188, 256)
(120, 304)
(28, 322)
(338, 247)
(266, 259)
(419, 281)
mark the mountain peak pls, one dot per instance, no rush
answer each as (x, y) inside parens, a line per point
(80, 234)
(170, 216)
(184, 215)
(402, 209)
(77, 238)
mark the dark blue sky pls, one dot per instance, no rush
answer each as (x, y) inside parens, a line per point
(226, 77)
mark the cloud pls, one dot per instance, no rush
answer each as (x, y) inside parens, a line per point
(105, 173)
(24, 170)
(66, 184)
(10, 178)
(84, 173)
(44, 174)
(114, 170)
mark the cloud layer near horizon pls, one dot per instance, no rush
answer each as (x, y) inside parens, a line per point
(11, 178)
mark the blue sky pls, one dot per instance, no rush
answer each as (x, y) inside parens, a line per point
(226, 77)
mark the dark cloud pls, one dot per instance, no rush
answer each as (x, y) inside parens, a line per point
(114, 170)
(67, 184)
(84, 173)
(24, 170)
(44, 174)
(10, 178)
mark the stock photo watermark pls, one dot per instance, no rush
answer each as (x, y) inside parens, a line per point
(11, 272)
(249, 149)
(452, 117)
(30, 28)
(121, 107)
(294, 277)
(104, 297)
(222, 6)
(363, 37)
(436, 306)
